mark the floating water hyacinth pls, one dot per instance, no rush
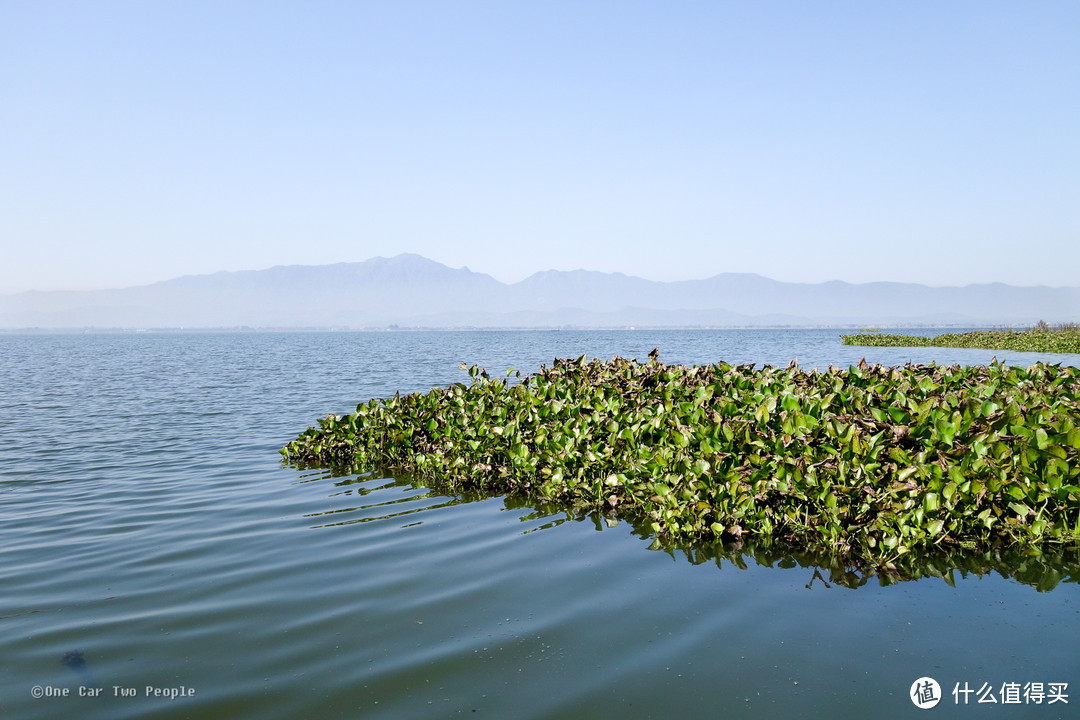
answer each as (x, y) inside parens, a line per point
(867, 463)
(1066, 339)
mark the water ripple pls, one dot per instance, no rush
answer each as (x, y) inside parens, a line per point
(146, 523)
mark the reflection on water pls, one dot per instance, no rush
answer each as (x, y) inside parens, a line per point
(388, 498)
(408, 499)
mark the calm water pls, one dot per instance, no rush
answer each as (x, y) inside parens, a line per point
(150, 537)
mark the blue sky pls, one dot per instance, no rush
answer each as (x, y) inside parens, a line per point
(806, 141)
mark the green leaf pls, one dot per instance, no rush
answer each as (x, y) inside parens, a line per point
(1072, 438)
(1041, 439)
(931, 502)
(1020, 509)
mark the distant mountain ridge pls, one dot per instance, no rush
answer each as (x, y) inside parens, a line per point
(412, 291)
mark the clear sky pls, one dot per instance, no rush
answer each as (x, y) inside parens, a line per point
(934, 142)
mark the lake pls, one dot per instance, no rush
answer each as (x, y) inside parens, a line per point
(153, 545)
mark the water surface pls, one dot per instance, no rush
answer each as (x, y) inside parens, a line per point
(147, 523)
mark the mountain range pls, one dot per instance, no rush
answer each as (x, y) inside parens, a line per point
(412, 291)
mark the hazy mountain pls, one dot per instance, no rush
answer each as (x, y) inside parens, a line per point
(410, 290)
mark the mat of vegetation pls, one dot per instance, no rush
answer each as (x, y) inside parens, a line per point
(1063, 340)
(867, 463)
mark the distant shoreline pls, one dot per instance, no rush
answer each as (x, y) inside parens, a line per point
(410, 292)
(463, 328)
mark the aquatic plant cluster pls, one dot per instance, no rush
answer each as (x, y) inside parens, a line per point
(1065, 339)
(866, 463)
